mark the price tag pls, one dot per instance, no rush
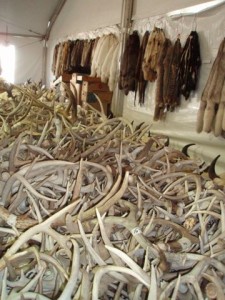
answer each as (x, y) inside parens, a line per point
(12, 220)
(136, 230)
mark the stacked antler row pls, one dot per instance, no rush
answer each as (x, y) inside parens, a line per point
(100, 209)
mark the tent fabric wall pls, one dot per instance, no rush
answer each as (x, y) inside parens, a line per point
(81, 16)
(25, 17)
(149, 8)
(28, 58)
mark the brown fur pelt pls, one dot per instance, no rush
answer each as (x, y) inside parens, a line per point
(129, 63)
(55, 55)
(139, 75)
(155, 43)
(159, 101)
(68, 61)
(76, 55)
(190, 63)
(65, 53)
(58, 60)
(171, 81)
(87, 53)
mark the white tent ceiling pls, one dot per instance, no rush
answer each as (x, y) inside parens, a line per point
(31, 17)
(26, 17)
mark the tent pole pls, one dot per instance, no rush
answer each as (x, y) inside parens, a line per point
(54, 17)
(125, 24)
(51, 22)
(44, 61)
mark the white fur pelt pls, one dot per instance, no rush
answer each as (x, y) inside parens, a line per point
(107, 63)
(105, 48)
(113, 68)
(96, 55)
(105, 59)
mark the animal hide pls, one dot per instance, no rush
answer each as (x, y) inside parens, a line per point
(189, 65)
(171, 85)
(140, 82)
(96, 55)
(76, 55)
(129, 63)
(86, 51)
(212, 105)
(155, 43)
(113, 69)
(68, 60)
(106, 66)
(159, 101)
(85, 63)
(72, 56)
(94, 48)
(65, 52)
(109, 41)
(55, 56)
(58, 60)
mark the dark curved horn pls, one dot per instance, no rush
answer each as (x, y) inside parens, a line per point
(211, 170)
(139, 126)
(167, 142)
(185, 149)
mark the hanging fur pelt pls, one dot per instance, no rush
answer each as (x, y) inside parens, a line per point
(76, 56)
(129, 63)
(171, 94)
(155, 43)
(55, 55)
(211, 113)
(189, 65)
(139, 75)
(159, 113)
